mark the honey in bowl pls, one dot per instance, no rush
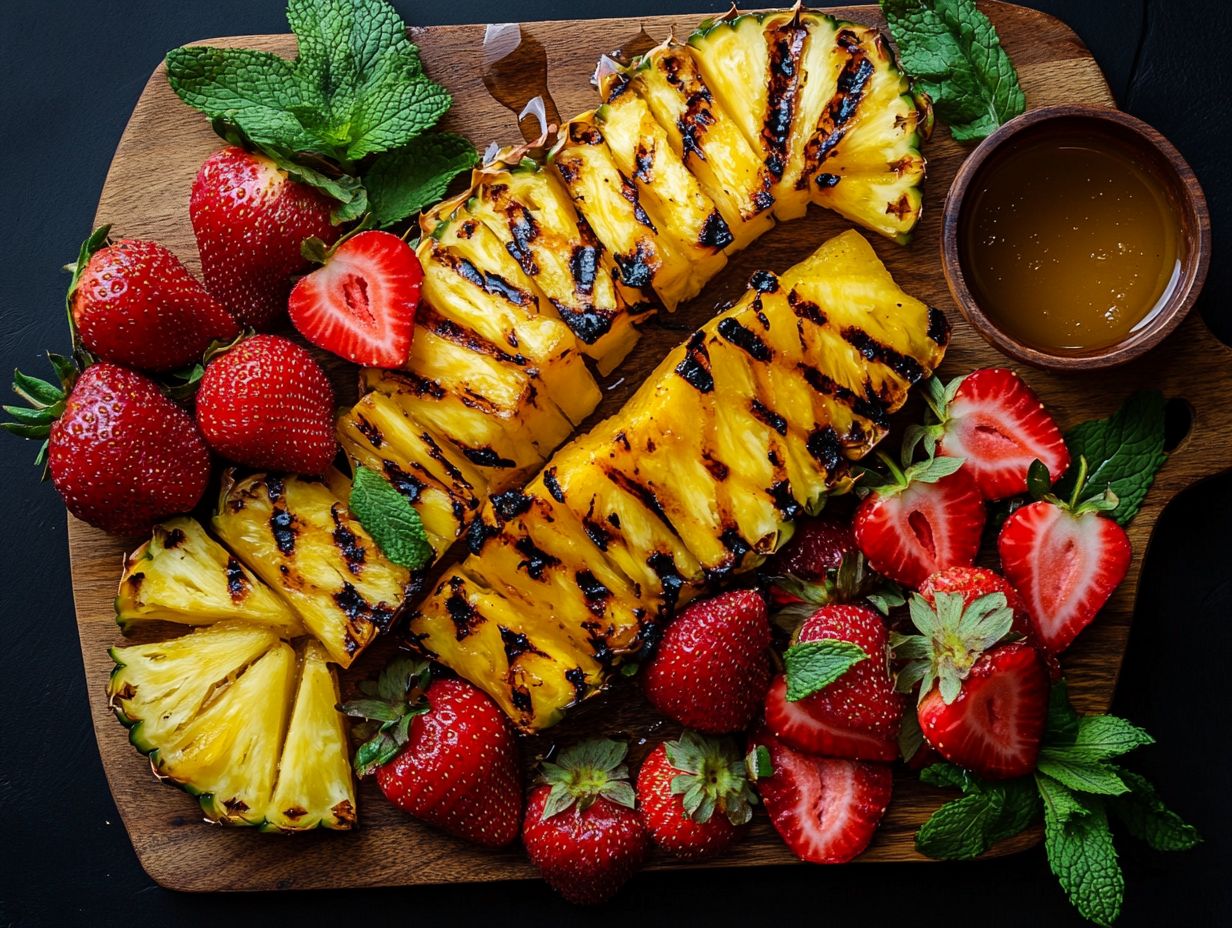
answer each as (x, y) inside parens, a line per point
(1070, 241)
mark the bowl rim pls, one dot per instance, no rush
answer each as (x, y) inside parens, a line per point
(1195, 228)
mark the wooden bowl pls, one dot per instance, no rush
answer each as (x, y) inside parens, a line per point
(1183, 191)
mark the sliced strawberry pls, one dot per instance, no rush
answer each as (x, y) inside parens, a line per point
(997, 424)
(826, 810)
(360, 305)
(1065, 563)
(912, 527)
(856, 716)
(995, 724)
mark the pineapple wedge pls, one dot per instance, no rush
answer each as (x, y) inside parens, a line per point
(182, 575)
(700, 475)
(301, 540)
(314, 787)
(706, 137)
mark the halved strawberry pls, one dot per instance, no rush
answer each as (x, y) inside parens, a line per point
(360, 304)
(997, 424)
(826, 810)
(857, 715)
(921, 520)
(1065, 559)
(983, 699)
(995, 724)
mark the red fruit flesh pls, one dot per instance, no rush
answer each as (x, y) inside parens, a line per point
(459, 770)
(826, 810)
(711, 669)
(123, 455)
(586, 856)
(972, 583)
(666, 820)
(250, 220)
(859, 714)
(136, 304)
(1066, 566)
(998, 425)
(266, 403)
(922, 529)
(361, 304)
(995, 724)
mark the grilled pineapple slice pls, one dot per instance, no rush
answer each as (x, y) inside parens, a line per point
(828, 107)
(301, 540)
(314, 787)
(706, 137)
(736, 432)
(526, 207)
(182, 575)
(211, 710)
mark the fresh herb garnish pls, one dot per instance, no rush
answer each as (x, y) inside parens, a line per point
(953, 54)
(1075, 789)
(1123, 453)
(390, 519)
(814, 665)
(352, 110)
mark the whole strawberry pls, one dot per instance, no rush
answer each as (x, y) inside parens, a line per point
(443, 752)
(973, 582)
(134, 303)
(581, 829)
(121, 453)
(712, 667)
(920, 519)
(817, 548)
(266, 403)
(856, 714)
(250, 220)
(983, 697)
(694, 796)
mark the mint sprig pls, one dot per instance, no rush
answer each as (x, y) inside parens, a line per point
(390, 519)
(1075, 789)
(354, 97)
(953, 54)
(814, 665)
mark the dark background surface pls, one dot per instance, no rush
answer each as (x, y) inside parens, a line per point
(72, 71)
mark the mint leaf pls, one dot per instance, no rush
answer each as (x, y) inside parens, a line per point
(387, 516)
(1080, 776)
(1102, 737)
(953, 53)
(959, 829)
(252, 90)
(402, 183)
(1020, 809)
(814, 665)
(1081, 855)
(1148, 819)
(945, 774)
(1059, 801)
(1062, 725)
(395, 108)
(1123, 453)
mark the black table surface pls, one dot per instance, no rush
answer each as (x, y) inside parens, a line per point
(72, 71)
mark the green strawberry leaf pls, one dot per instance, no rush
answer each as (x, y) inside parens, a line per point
(1146, 817)
(402, 183)
(1082, 856)
(814, 665)
(953, 54)
(390, 519)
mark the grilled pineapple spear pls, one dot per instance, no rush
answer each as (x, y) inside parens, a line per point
(740, 429)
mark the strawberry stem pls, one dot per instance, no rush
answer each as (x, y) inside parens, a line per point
(1079, 483)
(899, 478)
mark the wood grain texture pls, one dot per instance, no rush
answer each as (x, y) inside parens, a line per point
(146, 195)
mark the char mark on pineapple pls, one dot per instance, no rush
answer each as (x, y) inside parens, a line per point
(519, 695)
(628, 190)
(805, 309)
(406, 484)
(715, 232)
(588, 325)
(734, 543)
(694, 123)
(637, 269)
(174, 539)
(486, 457)
(553, 485)
(465, 617)
(906, 367)
(369, 430)
(868, 407)
(643, 164)
(785, 500)
(824, 445)
(523, 231)
(536, 559)
(274, 488)
(347, 542)
(344, 812)
(577, 679)
(511, 504)
(599, 536)
(764, 282)
(642, 494)
(135, 580)
(492, 284)
(843, 106)
(695, 367)
(516, 644)
(584, 268)
(359, 611)
(716, 468)
(767, 416)
(477, 535)
(665, 569)
(938, 326)
(746, 340)
(282, 525)
(594, 592)
(583, 134)
(449, 330)
(826, 181)
(434, 452)
(786, 48)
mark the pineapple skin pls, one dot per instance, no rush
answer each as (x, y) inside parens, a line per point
(699, 477)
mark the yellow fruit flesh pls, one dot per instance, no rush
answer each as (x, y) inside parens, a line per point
(300, 538)
(182, 575)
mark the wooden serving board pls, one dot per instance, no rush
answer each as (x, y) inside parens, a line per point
(146, 195)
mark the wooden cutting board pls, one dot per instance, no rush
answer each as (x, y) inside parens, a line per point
(146, 195)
